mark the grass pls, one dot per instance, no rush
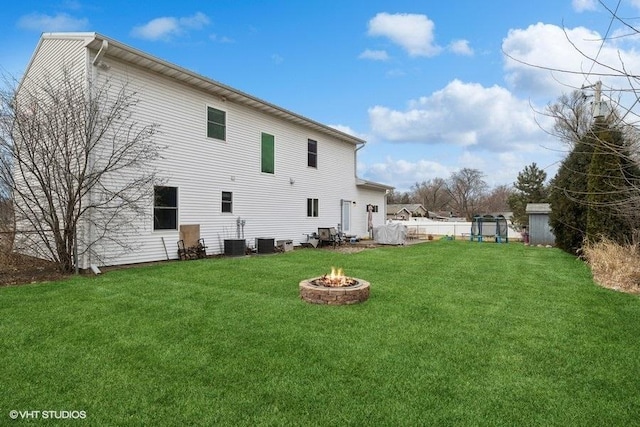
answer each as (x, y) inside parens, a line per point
(454, 333)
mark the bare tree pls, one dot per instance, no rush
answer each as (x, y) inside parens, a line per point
(497, 199)
(572, 116)
(398, 197)
(432, 194)
(466, 188)
(6, 224)
(77, 162)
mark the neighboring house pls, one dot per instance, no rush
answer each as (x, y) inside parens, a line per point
(540, 232)
(405, 212)
(445, 216)
(230, 156)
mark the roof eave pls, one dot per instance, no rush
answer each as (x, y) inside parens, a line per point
(144, 60)
(370, 185)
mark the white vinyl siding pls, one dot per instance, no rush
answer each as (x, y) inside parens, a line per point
(270, 204)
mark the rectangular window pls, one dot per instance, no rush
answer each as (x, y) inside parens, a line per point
(216, 124)
(165, 208)
(374, 208)
(227, 201)
(312, 207)
(312, 153)
(268, 148)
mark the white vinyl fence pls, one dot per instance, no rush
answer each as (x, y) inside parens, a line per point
(423, 227)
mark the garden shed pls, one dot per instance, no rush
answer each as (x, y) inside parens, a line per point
(540, 232)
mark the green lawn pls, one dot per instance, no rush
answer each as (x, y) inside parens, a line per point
(454, 333)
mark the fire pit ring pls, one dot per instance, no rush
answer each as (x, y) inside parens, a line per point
(315, 293)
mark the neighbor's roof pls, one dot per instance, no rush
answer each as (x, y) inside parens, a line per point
(122, 52)
(395, 208)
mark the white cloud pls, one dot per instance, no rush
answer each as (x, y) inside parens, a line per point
(543, 47)
(165, 28)
(195, 22)
(376, 55)
(404, 173)
(498, 169)
(413, 32)
(277, 59)
(582, 5)
(461, 47)
(461, 114)
(60, 22)
(220, 39)
(349, 131)
(396, 72)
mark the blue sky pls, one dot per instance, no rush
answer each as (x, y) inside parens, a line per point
(426, 83)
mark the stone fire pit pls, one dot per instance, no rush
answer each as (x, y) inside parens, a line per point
(334, 289)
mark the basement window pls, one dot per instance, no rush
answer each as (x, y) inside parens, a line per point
(165, 208)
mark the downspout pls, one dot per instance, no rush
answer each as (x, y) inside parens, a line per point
(355, 169)
(97, 61)
(355, 158)
(92, 76)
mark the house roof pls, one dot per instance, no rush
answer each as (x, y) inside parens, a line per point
(114, 49)
(395, 211)
(538, 208)
(372, 185)
(395, 208)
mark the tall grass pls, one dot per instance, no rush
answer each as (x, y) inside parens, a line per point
(613, 265)
(454, 333)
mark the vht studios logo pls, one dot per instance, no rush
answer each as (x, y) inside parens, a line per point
(52, 415)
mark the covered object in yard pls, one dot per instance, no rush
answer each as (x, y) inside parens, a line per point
(390, 234)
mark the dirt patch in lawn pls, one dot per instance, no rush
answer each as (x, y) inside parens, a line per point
(16, 269)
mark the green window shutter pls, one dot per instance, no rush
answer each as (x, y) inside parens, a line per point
(268, 151)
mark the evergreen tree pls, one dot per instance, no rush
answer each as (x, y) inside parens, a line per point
(611, 177)
(530, 188)
(568, 194)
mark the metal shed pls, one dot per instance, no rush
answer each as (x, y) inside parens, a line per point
(540, 232)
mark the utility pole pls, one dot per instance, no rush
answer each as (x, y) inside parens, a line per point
(599, 108)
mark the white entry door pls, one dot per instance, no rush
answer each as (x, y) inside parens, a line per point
(345, 219)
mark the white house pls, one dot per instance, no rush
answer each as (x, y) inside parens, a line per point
(400, 211)
(230, 157)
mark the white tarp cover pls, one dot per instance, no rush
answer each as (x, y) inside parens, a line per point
(390, 234)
